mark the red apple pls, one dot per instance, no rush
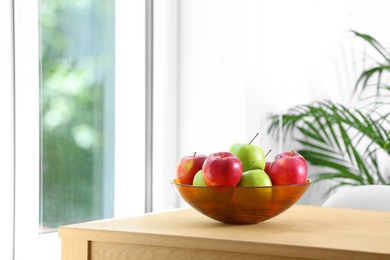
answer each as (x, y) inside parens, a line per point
(267, 165)
(291, 153)
(222, 169)
(288, 168)
(188, 166)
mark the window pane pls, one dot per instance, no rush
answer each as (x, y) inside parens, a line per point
(77, 111)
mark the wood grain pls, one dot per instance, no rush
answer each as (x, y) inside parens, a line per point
(309, 232)
(117, 251)
(73, 249)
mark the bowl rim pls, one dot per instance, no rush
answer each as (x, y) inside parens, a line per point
(307, 182)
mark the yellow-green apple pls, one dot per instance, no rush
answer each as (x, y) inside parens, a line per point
(288, 168)
(255, 177)
(198, 179)
(188, 166)
(222, 169)
(251, 198)
(249, 154)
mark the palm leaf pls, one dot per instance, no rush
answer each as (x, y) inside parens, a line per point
(354, 180)
(346, 141)
(330, 153)
(314, 146)
(365, 77)
(374, 43)
(310, 132)
(368, 74)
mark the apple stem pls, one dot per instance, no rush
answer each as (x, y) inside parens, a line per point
(292, 152)
(221, 155)
(254, 138)
(195, 154)
(269, 151)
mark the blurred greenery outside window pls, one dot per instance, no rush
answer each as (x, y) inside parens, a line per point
(77, 39)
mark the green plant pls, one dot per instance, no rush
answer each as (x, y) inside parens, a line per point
(347, 144)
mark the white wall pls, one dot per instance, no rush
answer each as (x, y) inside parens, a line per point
(165, 130)
(237, 62)
(212, 91)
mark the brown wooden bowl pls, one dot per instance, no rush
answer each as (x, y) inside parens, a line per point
(241, 205)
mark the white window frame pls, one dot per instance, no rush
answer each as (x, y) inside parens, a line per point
(129, 125)
(6, 130)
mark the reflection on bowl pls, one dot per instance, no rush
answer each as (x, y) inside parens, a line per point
(241, 205)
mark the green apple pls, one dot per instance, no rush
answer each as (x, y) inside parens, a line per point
(251, 155)
(255, 177)
(253, 197)
(260, 192)
(198, 179)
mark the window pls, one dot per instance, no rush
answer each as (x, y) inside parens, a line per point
(122, 166)
(77, 72)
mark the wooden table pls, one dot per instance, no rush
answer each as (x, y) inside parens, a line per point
(310, 232)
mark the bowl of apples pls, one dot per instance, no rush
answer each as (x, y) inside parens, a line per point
(239, 186)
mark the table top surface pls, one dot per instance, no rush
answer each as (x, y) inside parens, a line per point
(312, 228)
